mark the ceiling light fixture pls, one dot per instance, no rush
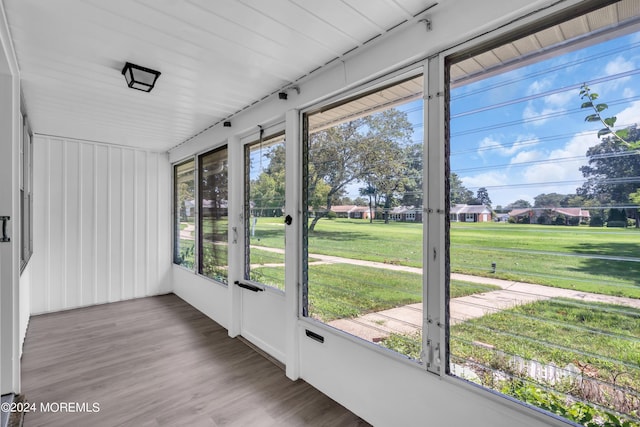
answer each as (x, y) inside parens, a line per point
(140, 78)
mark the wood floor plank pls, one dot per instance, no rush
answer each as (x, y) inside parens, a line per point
(159, 362)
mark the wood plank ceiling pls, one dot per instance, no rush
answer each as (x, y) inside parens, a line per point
(216, 59)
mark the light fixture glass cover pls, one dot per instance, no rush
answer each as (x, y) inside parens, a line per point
(140, 78)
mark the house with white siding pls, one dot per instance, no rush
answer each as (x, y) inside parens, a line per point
(470, 213)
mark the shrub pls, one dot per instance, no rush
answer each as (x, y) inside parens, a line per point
(575, 411)
(621, 224)
(596, 221)
(573, 220)
(560, 220)
(617, 216)
(331, 215)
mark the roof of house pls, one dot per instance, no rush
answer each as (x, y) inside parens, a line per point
(343, 208)
(403, 209)
(579, 212)
(464, 209)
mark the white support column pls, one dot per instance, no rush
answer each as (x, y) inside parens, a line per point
(434, 212)
(236, 232)
(9, 251)
(9, 206)
(293, 243)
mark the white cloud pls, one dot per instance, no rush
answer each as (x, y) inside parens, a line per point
(561, 99)
(629, 115)
(485, 179)
(526, 156)
(538, 117)
(615, 66)
(490, 146)
(538, 111)
(562, 164)
(618, 65)
(539, 86)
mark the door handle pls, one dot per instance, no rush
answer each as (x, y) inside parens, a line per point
(4, 237)
(248, 286)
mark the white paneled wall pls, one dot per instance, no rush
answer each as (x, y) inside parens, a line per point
(102, 224)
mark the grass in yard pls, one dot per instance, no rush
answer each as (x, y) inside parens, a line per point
(261, 257)
(603, 339)
(341, 290)
(598, 260)
(582, 258)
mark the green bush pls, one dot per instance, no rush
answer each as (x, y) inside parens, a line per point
(560, 220)
(331, 215)
(596, 221)
(621, 224)
(524, 220)
(575, 411)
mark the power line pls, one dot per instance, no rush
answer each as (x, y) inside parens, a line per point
(544, 94)
(547, 71)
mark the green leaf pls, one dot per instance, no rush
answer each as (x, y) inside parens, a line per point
(593, 96)
(587, 104)
(601, 107)
(592, 118)
(610, 121)
(603, 132)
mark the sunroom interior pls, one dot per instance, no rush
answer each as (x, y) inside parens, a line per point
(288, 178)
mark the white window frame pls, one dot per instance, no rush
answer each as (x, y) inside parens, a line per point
(416, 69)
(271, 131)
(511, 31)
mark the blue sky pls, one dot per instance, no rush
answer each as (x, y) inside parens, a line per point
(523, 133)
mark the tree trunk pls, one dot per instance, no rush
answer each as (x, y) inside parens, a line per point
(315, 221)
(387, 206)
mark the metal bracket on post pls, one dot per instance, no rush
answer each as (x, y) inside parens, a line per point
(4, 237)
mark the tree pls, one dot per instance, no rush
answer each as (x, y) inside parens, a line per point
(614, 162)
(458, 193)
(268, 189)
(518, 204)
(551, 200)
(369, 191)
(635, 199)
(367, 150)
(386, 164)
(335, 162)
(412, 195)
(610, 162)
(483, 197)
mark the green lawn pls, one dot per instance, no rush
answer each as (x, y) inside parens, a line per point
(342, 290)
(601, 340)
(598, 260)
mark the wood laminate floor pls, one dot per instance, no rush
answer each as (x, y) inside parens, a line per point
(158, 362)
